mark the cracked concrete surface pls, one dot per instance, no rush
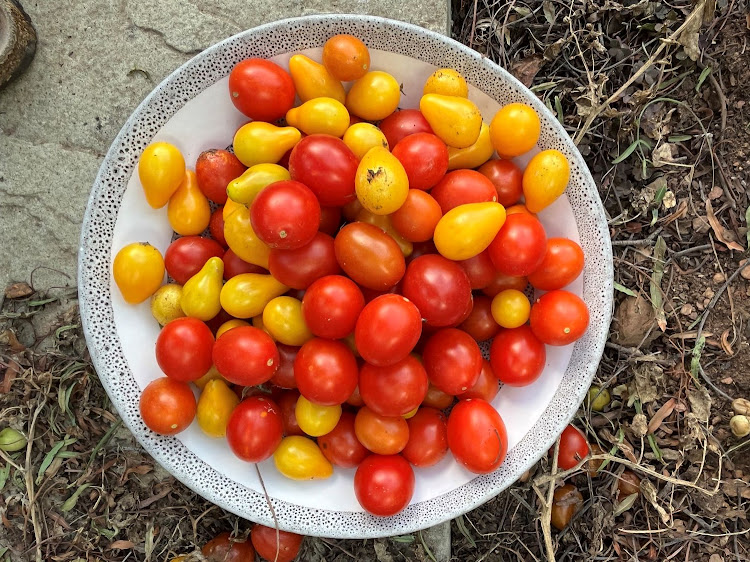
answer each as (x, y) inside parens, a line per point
(95, 61)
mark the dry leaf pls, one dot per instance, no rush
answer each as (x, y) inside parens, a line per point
(719, 230)
(526, 69)
(689, 38)
(122, 545)
(663, 413)
(645, 384)
(725, 345)
(663, 154)
(649, 492)
(8, 337)
(18, 291)
(700, 403)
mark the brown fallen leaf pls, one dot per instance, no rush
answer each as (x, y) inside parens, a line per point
(8, 337)
(526, 69)
(18, 291)
(141, 469)
(725, 345)
(155, 498)
(719, 230)
(10, 375)
(121, 545)
(662, 413)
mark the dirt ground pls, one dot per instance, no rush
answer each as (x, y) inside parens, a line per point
(656, 95)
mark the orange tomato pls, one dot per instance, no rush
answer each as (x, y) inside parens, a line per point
(188, 209)
(383, 435)
(417, 218)
(346, 57)
(514, 130)
(545, 179)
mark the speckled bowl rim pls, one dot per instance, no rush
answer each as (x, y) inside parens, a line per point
(98, 318)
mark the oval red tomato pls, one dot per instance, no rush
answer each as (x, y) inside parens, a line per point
(341, 446)
(452, 360)
(393, 390)
(327, 166)
(574, 447)
(274, 544)
(562, 264)
(559, 317)
(222, 549)
(287, 403)
(507, 179)
(480, 270)
(326, 371)
(261, 89)
(183, 349)
(384, 484)
(216, 227)
(424, 158)
(369, 256)
(255, 429)
(428, 437)
(477, 435)
(331, 306)
(480, 324)
(460, 187)
(284, 375)
(519, 247)
(246, 356)
(387, 330)
(517, 356)
(400, 124)
(299, 268)
(188, 254)
(486, 386)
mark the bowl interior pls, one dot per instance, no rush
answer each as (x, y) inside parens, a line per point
(192, 110)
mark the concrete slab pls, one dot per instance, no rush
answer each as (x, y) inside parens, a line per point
(95, 62)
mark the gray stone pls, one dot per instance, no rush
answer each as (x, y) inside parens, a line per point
(95, 62)
(438, 540)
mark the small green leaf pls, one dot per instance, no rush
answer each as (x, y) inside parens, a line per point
(103, 441)
(549, 11)
(427, 550)
(543, 86)
(625, 504)
(559, 110)
(695, 361)
(702, 78)
(679, 138)
(655, 448)
(70, 503)
(628, 151)
(659, 197)
(403, 538)
(464, 531)
(49, 457)
(624, 289)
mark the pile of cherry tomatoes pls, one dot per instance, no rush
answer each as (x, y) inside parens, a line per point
(357, 255)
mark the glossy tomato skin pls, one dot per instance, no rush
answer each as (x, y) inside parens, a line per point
(480, 270)
(417, 218)
(326, 371)
(486, 386)
(261, 89)
(396, 389)
(188, 254)
(265, 543)
(246, 356)
(403, 123)
(183, 349)
(387, 330)
(285, 215)
(517, 356)
(460, 187)
(299, 268)
(384, 484)
(383, 435)
(477, 435)
(428, 437)
(214, 169)
(507, 179)
(287, 403)
(331, 306)
(369, 256)
(559, 317)
(480, 324)
(452, 360)
(424, 157)
(574, 447)
(439, 288)
(562, 264)
(255, 429)
(167, 406)
(284, 375)
(327, 166)
(341, 446)
(519, 247)
(222, 549)
(234, 265)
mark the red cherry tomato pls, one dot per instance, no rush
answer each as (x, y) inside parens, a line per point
(424, 158)
(562, 264)
(331, 306)
(234, 265)
(369, 256)
(183, 349)
(479, 269)
(519, 247)
(559, 317)
(384, 484)
(222, 549)
(281, 547)
(439, 288)
(574, 447)
(452, 360)
(216, 226)
(167, 406)
(287, 403)
(341, 446)
(428, 438)
(480, 324)
(326, 371)
(486, 386)
(261, 89)
(285, 215)
(403, 123)
(214, 169)
(299, 268)
(330, 220)
(506, 177)
(387, 330)
(255, 429)
(500, 282)
(393, 390)
(188, 254)
(477, 435)
(517, 356)
(327, 166)
(284, 375)
(460, 187)
(246, 356)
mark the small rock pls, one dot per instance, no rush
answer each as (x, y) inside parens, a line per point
(687, 309)
(18, 291)
(727, 380)
(719, 277)
(709, 293)
(741, 406)
(633, 319)
(716, 558)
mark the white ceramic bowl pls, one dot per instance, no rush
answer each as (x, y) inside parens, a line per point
(191, 108)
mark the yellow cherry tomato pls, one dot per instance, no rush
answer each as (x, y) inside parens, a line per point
(312, 80)
(466, 231)
(514, 130)
(200, 294)
(165, 303)
(229, 324)
(138, 271)
(161, 170)
(258, 323)
(247, 294)
(545, 179)
(215, 406)
(447, 82)
(325, 116)
(258, 142)
(230, 207)
(472, 156)
(457, 121)
(384, 223)
(381, 182)
(212, 374)
(374, 96)
(300, 458)
(242, 240)
(283, 318)
(510, 308)
(361, 137)
(188, 209)
(255, 179)
(314, 419)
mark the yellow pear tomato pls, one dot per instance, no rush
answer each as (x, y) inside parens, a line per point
(255, 179)
(300, 458)
(312, 80)
(200, 294)
(283, 319)
(472, 156)
(456, 121)
(188, 209)
(138, 271)
(374, 96)
(258, 323)
(447, 82)
(229, 324)
(467, 230)
(230, 207)
(212, 374)
(242, 240)
(314, 419)
(381, 182)
(215, 405)
(161, 170)
(247, 294)
(325, 116)
(361, 137)
(258, 142)
(545, 179)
